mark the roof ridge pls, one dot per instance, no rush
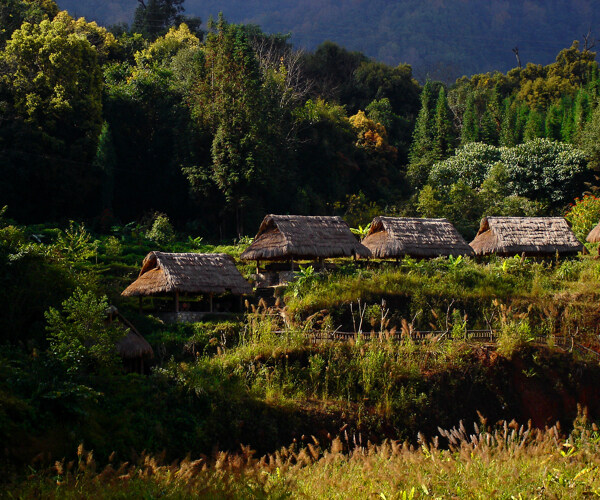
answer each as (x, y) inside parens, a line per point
(168, 277)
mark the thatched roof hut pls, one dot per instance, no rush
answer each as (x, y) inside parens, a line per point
(298, 237)
(133, 345)
(536, 236)
(594, 236)
(395, 237)
(133, 348)
(167, 273)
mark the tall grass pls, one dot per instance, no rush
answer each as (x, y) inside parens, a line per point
(504, 461)
(557, 295)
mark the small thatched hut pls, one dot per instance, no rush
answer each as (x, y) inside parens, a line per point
(534, 236)
(594, 236)
(283, 237)
(396, 237)
(133, 348)
(192, 273)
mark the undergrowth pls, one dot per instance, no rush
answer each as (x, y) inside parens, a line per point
(506, 460)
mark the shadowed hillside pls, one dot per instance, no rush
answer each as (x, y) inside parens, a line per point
(440, 38)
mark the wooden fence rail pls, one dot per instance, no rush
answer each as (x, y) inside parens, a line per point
(479, 336)
(318, 336)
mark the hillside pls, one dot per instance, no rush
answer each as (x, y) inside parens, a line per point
(442, 38)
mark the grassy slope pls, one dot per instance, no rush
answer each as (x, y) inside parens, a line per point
(243, 383)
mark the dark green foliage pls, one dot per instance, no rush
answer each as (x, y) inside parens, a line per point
(106, 160)
(535, 127)
(444, 136)
(470, 127)
(13, 13)
(422, 154)
(79, 336)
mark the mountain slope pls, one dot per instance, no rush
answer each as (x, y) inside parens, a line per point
(442, 38)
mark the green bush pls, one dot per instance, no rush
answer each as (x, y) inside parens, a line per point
(79, 336)
(583, 215)
(162, 232)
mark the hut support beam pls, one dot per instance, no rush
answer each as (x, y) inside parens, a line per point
(176, 302)
(211, 302)
(257, 266)
(292, 264)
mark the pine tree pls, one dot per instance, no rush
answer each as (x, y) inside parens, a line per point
(535, 127)
(553, 124)
(106, 160)
(444, 136)
(521, 121)
(421, 151)
(423, 136)
(489, 127)
(470, 128)
(567, 128)
(508, 132)
(581, 111)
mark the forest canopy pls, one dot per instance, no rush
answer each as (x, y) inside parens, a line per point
(218, 124)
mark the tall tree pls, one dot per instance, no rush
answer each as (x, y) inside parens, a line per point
(228, 102)
(469, 131)
(421, 153)
(52, 119)
(444, 136)
(13, 13)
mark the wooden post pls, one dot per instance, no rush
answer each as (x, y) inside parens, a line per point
(322, 262)
(140, 303)
(177, 302)
(292, 263)
(257, 266)
(211, 302)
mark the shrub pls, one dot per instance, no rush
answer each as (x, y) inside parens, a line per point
(583, 215)
(162, 232)
(79, 336)
(514, 335)
(113, 247)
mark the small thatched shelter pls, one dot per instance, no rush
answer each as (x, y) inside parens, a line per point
(133, 348)
(283, 237)
(192, 273)
(396, 237)
(534, 236)
(594, 236)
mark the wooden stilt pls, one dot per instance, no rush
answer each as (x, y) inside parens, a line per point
(257, 266)
(211, 302)
(176, 302)
(292, 264)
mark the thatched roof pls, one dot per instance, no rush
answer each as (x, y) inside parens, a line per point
(393, 237)
(188, 273)
(303, 237)
(133, 345)
(530, 235)
(594, 236)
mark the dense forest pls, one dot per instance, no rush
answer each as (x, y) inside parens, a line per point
(170, 133)
(441, 39)
(216, 127)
